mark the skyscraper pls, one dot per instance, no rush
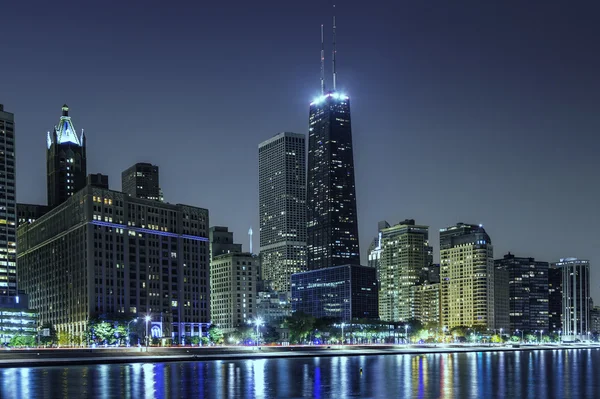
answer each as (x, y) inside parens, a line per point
(332, 223)
(467, 277)
(554, 298)
(576, 298)
(405, 253)
(8, 206)
(528, 292)
(66, 161)
(141, 181)
(282, 208)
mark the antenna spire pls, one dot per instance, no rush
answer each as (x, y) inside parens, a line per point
(333, 51)
(322, 62)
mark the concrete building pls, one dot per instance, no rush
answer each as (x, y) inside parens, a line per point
(16, 319)
(346, 293)
(554, 299)
(66, 160)
(272, 306)
(97, 180)
(467, 277)
(233, 281)
(282, 208)
(102, 252)
(502, 299)
(576, 299)
(528, 292)
(29, 213)
(595, 320)
(142, 181)
(426, 305)
(8, 206)
(403, 253)
(221, 242)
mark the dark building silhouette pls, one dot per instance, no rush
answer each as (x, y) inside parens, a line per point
(141, 181)
(28, 213)
(98, 180)
(66, 161)
(555, 298)
(527, 292)
(8, 205)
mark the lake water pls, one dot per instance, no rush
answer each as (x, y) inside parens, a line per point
(531, 374)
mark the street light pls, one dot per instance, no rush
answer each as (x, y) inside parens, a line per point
(342, 333)
(257, 322)
(128, 333)
(147, 318)
(406, 332)
(541, 332)
(517, 331)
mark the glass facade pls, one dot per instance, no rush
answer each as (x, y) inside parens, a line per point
(576, 299)
(345, 292)
(16, 319)
(332, 223)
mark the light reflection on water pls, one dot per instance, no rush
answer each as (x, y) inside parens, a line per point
(534, 374)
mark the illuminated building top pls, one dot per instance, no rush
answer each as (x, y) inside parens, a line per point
(65, 132)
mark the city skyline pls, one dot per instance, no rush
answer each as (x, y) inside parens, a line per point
(509, 129)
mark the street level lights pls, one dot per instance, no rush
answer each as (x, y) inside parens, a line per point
(147, 318)
(128, 333)
(257, 322)
(406, 332)
(342, 333)
(517, 331)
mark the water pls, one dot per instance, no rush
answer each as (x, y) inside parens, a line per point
(535, 374)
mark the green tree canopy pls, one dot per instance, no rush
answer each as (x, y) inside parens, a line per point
(300, 325)
(215, 335)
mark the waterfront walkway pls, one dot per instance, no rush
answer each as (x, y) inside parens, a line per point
(62, 357)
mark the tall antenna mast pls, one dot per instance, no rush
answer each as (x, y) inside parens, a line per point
(250, 236)
(333, 51)
(322, 62)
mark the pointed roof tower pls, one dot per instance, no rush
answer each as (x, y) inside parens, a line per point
(64, 131)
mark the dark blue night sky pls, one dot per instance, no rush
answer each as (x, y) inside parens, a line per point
(480, 112)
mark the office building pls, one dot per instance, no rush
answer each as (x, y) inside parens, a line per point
(282, 208)
(554, 299)
(66, 161)
(576, 299)
(29, 213)
(595, 320)
(528, 292)
(16, 319)
(273, 306)
(102, 252)
(346, 293)
(332, 221)
(404, 253)
(502, 303)
(221, 242)
(141, 181)
(426, 303)
(467, 277)
(8, 205)
(233, 280)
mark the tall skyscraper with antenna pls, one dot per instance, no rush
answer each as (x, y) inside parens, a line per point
(332, 223)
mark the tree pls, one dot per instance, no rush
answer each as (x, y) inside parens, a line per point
(22, 340)
(496, 339)
(300, 325)
(205, 341)
(215, 335)
(104, 332)
(270, 334)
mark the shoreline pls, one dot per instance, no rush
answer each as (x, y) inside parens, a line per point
(79, 357)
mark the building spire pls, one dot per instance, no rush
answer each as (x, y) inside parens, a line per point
(333, 52)
(322, 62)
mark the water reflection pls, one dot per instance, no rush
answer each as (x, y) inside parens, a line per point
(535, 374)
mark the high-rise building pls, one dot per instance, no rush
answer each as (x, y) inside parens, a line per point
(28, 213)
(141, 181)
(554, 299)
(404, 254)
(576, 299)
(233, 281)
(528, 292)
(66, 161)
(595, 320)
(282, 208)
(426, 305)
(346, 293)
(221, 242)
(467, 277)
(102, 252)
(501, 299)
(8, 206)
(97, 180)
(332, 220)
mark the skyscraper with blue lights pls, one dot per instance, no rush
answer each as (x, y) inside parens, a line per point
(332, 223)
(66, 161)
